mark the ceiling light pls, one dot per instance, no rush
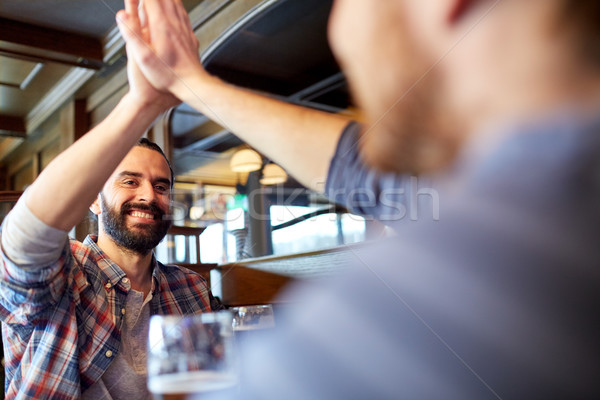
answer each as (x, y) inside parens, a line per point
(196, 212)
(273, 174)
(245, 160)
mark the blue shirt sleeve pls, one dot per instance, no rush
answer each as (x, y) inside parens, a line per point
(387, 197)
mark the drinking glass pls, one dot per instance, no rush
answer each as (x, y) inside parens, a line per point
(190, 355)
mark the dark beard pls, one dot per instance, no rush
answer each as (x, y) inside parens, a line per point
(145, 238)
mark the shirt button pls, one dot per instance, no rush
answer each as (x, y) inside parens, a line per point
(108, 285)
(108, 353)
(125, 280)
(123, 310)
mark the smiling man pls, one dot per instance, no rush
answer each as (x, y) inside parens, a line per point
(148, 212)
(133, 210)
(75, 315)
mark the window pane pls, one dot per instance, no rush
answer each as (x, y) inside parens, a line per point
(316, 233)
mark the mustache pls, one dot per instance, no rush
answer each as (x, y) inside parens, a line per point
(151, 207)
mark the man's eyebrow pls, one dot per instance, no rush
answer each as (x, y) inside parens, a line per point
(130, 173)
(140, 175)
(164, 180)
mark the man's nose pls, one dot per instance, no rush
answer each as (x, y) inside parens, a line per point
(146, 192)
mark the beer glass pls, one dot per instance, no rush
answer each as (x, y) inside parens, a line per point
(190, 355)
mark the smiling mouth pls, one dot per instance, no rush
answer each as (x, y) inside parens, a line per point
(141, 214)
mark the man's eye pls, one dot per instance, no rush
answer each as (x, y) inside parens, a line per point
(161, 188)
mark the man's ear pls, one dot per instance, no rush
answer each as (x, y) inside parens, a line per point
(95, 207)
(459, 8)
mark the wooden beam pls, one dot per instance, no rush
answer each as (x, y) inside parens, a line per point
(87, 50)
(30, 54)
(10, 195)
(53, 99)
(12, 126)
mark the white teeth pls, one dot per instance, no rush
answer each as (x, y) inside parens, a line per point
(141, 215)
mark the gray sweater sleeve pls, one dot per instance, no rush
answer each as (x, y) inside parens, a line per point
(27, 241)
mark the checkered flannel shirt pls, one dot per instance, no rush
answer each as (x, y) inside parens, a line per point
(62, 323)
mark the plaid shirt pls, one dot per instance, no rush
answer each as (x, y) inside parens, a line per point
(62, 323)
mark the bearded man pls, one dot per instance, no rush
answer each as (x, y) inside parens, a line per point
(75, 315)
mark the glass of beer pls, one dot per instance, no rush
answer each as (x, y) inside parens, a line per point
(191, 355)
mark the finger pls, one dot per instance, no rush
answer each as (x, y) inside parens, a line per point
(138, 50)
(129, 28)
(131, 6)
(142, 14)
(165, 14)
(189, 28)
(163, 26)
(158, 13)
(182, 16)
(146, 35)
(186, 18)
(185, 24)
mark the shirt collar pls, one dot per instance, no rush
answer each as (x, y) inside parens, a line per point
(112, 271)
(156, 275)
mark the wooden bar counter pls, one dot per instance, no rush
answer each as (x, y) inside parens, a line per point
(262, 280)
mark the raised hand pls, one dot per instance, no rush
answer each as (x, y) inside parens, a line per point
(139, 86)
(163, 46)
(166, 51)
(143, 91)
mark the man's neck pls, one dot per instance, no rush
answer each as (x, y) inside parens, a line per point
(137, 267)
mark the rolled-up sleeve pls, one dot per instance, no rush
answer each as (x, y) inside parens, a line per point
(32, 265)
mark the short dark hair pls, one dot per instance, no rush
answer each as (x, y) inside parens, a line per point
(148, 144)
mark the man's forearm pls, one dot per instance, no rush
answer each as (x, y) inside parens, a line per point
(300, 139)
(62, 193)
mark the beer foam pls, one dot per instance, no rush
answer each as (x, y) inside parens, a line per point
(191, 382)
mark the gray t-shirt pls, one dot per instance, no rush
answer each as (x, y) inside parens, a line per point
(126, 377)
